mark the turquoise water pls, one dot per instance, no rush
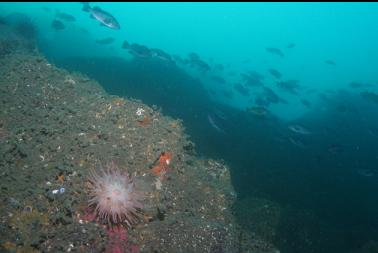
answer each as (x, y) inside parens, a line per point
(231, 33)
(312, 147)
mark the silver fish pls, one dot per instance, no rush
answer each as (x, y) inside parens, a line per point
(299, 129)
(102, 16)
(212, 123)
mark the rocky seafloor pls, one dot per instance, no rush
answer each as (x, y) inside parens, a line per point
(56, 126)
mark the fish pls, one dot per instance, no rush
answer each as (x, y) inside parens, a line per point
(194, 60)
(306, 103)
(228, 94)
(290, 45)
(57, 25)
(258, 111)
(297, 142)
(218, 79)
(275, 51)
(271, 96)
(356, 85)
(125, 44)
(299, 129)
(178, 59)
(160, 54)
(366, 172)
(260, 101)
(219, 67)
(200, 65)
(137, 50)
(330, 62)
(105, 41)
(161, 165)
(241, 89)
(212, 123)
(370, 96)
(255, 75)
(83, 30)
(105, 18)
(310, 91)
(65, 17)
(220, 114)
(275, 73)
(46, 9)
(373, 131)
(252, 78)
(193, 57)
(335, 149)
(290, 86)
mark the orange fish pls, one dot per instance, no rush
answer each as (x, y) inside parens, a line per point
(161, 168)
(165, 158)
(145, 121)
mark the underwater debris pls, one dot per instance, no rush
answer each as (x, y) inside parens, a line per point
(60, 191)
